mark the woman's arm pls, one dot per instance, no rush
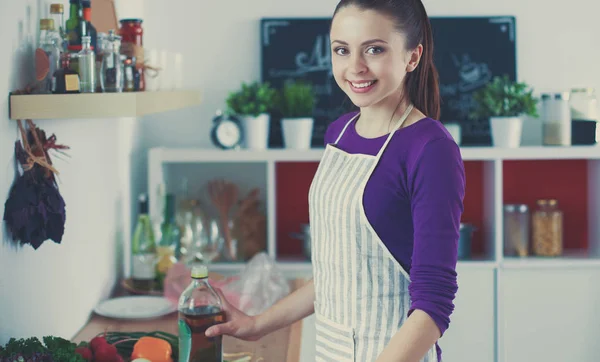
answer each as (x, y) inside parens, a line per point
(294, 307)
(437, 187)
(288, 310)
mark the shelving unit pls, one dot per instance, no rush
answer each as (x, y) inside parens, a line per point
(494, 315)
(286, 175)
(99, 105)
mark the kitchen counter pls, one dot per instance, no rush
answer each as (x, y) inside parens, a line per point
(279, 346)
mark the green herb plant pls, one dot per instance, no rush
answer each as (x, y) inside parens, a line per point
(53, 348)
(504, 98)
(297, 99)
(252, 99)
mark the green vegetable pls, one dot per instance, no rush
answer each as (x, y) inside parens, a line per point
(58, 348)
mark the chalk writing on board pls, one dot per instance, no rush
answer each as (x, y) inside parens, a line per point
(319, 60)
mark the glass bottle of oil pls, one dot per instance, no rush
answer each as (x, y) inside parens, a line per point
(199, 308)
(168, 246)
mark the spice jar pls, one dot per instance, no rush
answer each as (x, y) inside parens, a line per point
(516, 230)
(547, 228)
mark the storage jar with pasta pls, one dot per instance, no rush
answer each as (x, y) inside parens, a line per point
(547, 228)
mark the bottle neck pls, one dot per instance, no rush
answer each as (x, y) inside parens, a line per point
(74, 11)
(87, 14)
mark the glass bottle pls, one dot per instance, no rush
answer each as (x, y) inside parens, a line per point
(143, 249)
(87, 66)
(547, 227)
(129, 75)
(76, 25)
(168, 247)
(65, 79)
(57, 14)
(90, 28)
(200, 307)
(47, 62)
(111, 78)
(516, 230)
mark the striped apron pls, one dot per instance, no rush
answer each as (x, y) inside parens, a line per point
(361, 291)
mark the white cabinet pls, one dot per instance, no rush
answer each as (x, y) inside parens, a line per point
(471, 335)
(550, 314)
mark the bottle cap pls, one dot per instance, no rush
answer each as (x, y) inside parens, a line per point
(46, 24)
(199, 271)
(56, 9)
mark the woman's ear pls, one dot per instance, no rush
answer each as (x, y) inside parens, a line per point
(414, 58)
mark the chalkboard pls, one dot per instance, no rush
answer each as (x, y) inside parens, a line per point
(468, 52)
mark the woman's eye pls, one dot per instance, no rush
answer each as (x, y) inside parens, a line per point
(340, 51)
(374, 50)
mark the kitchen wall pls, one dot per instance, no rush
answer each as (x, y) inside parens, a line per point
(557, 48)
(53, 289)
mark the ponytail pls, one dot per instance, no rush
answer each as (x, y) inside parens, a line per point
(422, 84)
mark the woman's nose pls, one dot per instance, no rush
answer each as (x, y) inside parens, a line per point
(357, 64)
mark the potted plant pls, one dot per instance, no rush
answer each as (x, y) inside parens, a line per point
(253, 103)
(505, 103)
(296, 104)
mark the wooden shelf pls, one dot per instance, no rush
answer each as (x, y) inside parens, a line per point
(192, 155)
(99, 105)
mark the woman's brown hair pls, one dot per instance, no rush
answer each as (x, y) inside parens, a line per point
(410, 16)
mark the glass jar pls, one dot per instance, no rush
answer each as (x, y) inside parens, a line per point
(516, 230)
(556, 119)
(547, 228)
(111, 71)
(584, 115)
(131, 31)
(132, 35)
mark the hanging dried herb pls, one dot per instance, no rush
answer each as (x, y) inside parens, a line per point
(35, 211)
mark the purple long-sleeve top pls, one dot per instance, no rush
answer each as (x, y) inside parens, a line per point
(414, 201)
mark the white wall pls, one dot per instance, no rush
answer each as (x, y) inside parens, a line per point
(53, 289)
(557, 49)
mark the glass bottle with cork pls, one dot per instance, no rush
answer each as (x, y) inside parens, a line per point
(143, 249)
(200, 307)
(547, 228)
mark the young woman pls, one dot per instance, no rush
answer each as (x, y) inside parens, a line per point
(385, 203)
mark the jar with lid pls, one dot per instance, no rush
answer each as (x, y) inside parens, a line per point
(516, 230)
(584, 114)
(547, 227)
(556, 117)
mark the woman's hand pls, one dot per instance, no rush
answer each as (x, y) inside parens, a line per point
(238, 324)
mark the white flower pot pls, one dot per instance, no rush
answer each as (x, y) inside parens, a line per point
(297, 132)
(506, 131)
(454, 130)
(256, 131)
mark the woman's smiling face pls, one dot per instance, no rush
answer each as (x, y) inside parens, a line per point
(369, 58)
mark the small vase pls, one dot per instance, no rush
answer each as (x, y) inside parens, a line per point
(297, 132)
(506, 131)
(256, 131)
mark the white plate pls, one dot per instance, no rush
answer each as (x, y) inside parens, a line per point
(135, 307)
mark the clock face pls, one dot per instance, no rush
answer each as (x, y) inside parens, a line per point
(228, 133)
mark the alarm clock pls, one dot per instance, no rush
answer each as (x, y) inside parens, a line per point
(227, 132)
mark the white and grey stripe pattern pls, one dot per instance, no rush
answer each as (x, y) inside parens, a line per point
(361, 290)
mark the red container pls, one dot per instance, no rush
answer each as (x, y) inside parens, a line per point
(131, 32)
